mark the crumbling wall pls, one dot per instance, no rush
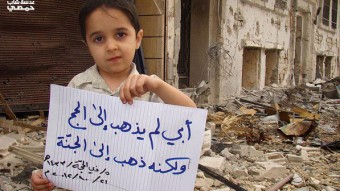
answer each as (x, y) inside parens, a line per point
(253, 24)
(326, 44)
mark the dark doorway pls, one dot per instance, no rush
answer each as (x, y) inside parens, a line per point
(183, 66)
(298, 51)
(251, 68)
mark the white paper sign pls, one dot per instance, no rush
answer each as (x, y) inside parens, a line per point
(94, 142)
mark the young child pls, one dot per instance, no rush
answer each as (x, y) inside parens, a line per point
(111, 31)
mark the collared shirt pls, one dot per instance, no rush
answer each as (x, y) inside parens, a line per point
(91, 80)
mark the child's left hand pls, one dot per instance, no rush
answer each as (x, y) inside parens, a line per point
(136, 85)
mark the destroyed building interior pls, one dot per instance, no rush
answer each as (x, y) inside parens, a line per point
(267, 71)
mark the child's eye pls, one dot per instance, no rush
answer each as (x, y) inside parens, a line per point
(98, 39)
(121, 35)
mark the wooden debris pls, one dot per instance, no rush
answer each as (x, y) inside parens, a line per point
(305, 113)
(8, 110)
(247, 111)
(26, 125)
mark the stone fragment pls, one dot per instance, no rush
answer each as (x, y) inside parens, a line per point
(222, 189)
(3, 154)
(294, 158)
(328, 188)
(10, 162)
(259, 187)
(6, 142)
(303, 189)
(297, 181)
(205, 188)
(276, 157)
(227, 154)
(211, 126)
(308, 152)
(217, 183)
(245, 150)
(272, 170)
(315, 181)
(200, 174)
(203, 182)
(206, 142)
(216, 164)
(239, 172)
(18, 137)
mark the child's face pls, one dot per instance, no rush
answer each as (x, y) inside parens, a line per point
(112, 41)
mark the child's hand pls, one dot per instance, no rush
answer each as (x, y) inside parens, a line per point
(136, 85)
(39, 183)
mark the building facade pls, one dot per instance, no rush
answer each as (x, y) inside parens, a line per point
(231, 44)
(250, 43)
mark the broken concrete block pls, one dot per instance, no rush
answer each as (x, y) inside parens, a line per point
(272, 170)
(217, 183)
(297, 181)
(294, 158)
(328, 188)
(222, 189)
(3, 154)
(315, 181)
(200, 174)
(239, 172)
(206, 142)
(259, 187)
(8, 125)
(212, 126)
(303, 189)
(276, 157)
(203, 182)
(245, 150)
(216, 164)
(10, 162)
(21, 137)
(227, 154)
(6, 142)
(205, 188)
(304, 155)
(307, 152)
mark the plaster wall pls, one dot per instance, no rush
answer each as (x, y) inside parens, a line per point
(321, 42)
(222, 30)
(327, 44)
(252, 24)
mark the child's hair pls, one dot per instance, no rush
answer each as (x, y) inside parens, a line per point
(126, 6)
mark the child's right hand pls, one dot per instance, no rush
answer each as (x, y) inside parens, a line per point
(39, 183)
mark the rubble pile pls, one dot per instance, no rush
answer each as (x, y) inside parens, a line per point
(287, 139)
(274, 139)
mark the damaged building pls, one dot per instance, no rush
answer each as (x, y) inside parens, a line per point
(256, 43)
(229, 44)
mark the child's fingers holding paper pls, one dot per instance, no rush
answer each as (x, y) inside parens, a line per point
(39, 182)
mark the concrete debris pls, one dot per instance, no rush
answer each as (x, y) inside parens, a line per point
(216, 164)
(206, 142)
(243, 146)
(245, 150)
(262, 156)
(297, 181)
(276, 157)
(6, 142)
(272, 170)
